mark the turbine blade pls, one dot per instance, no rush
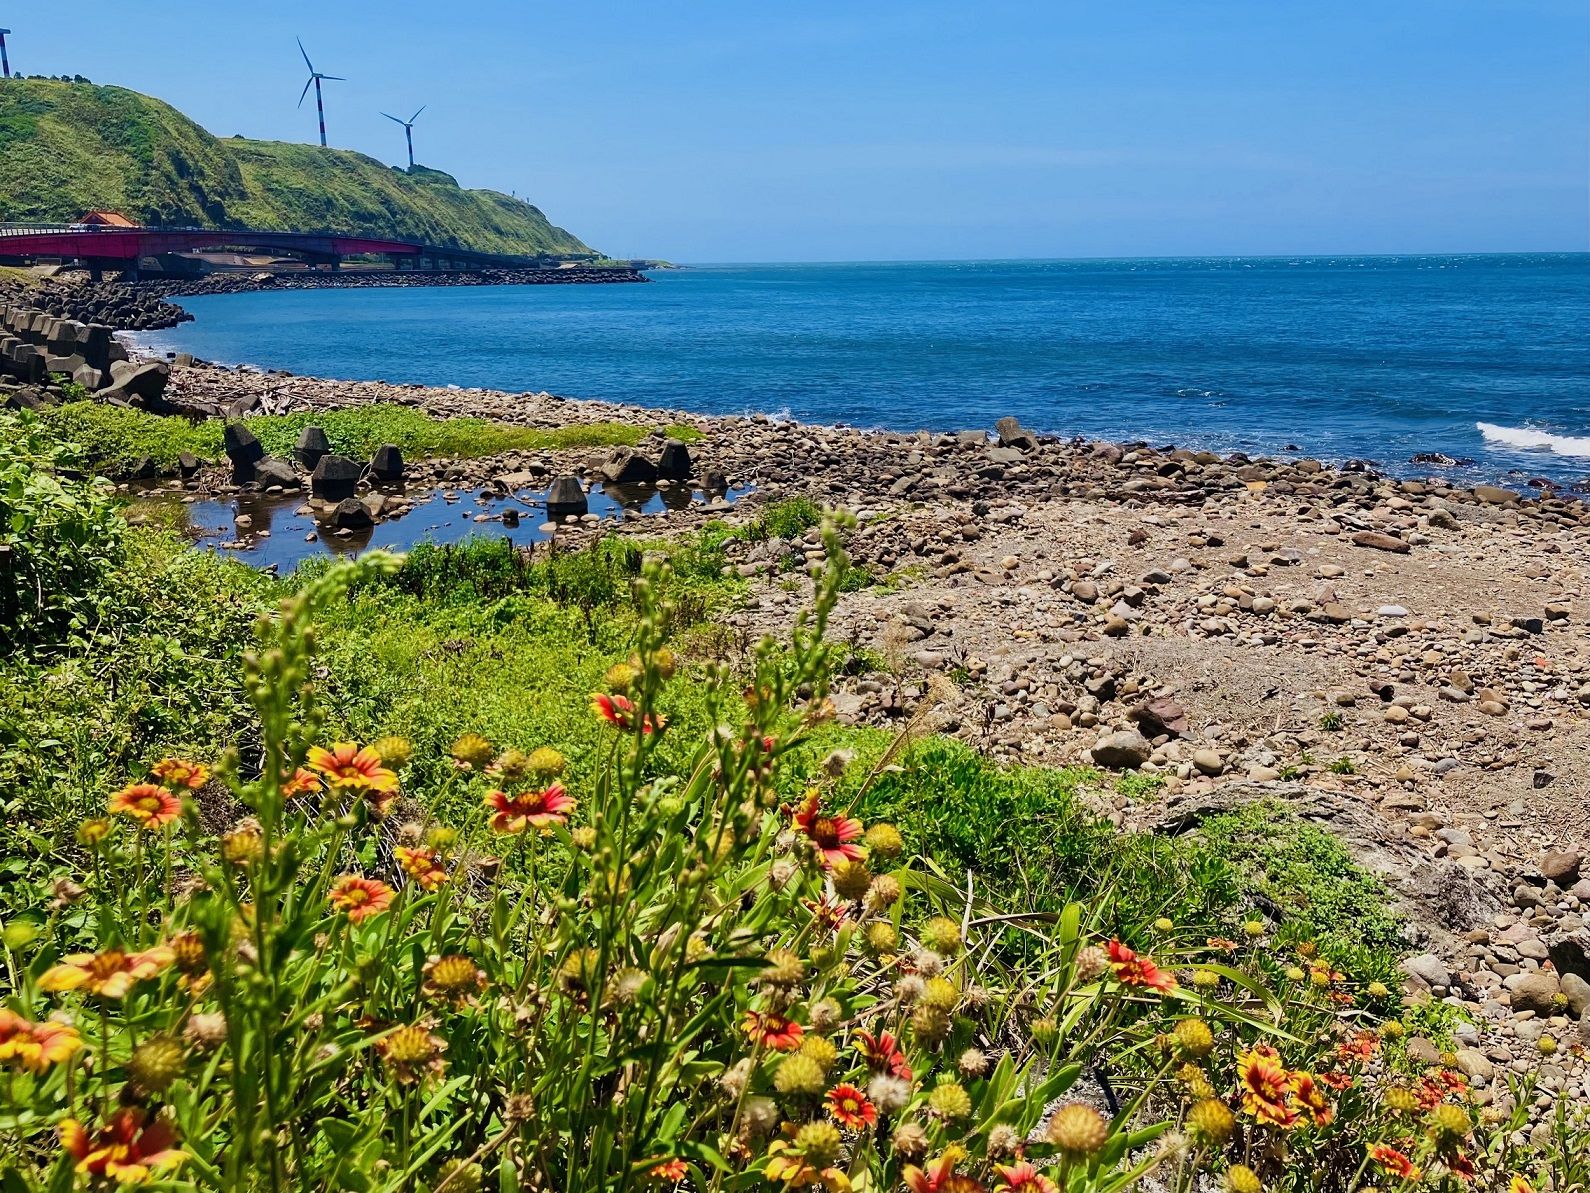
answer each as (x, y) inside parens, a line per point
(334, 78)
(305, 91)
(416, 115)
(305, 53)
(392, 118)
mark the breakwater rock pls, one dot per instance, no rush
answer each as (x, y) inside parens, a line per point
(146, 306)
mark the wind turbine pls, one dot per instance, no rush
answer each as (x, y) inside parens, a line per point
(408, 130)
(4, 61)
(314, 81)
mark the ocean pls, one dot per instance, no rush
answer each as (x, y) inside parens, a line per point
(1478, 358)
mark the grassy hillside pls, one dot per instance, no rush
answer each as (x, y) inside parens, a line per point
(66, 148)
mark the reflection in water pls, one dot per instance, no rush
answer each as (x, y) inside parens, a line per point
(282, 532)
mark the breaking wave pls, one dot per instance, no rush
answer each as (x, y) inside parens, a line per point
(1524, 437)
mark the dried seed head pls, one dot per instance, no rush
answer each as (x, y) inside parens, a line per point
(156, 1063)
(889, 1094)
(1211, 1122)
(820, 1143)
(1078, 1130)
(910, 1141)
(942, 935)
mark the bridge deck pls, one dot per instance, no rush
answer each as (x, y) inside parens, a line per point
(130, 244)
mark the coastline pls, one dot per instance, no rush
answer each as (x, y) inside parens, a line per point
(1400, 660)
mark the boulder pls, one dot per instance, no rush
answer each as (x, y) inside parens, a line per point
(242, 447)
(312, 445)
(1562, 867)
(1577, 991)
(351, 514)
(626, 466)
(336, 478)
(1377, 541)
(270, 472)
(674, 463)
(1491, 495)
(565, 498)
(1012, 434)
(387, 464)
(1536, 991)
(1161, 715)
(187, 464)
(714, 482)
(148, 380)
(1125, 750)
(1428, 969)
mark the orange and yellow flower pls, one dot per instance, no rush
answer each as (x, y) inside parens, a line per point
(422, 865)
(1393, 1162)
(1266, 1087)
(348, 768)
(1132, 970)
(150, 804)
(179, 772)
(110, 974)
(36, 1046)
(849, 1107)
(670, 1171)
(531, 809)
(882, 1053)
(1360, 1046)
(302, 781)
(773, 1031)
(620, 711)
(833, 836)
(1022, 1178)
(939, 1177)
(128, 1150)
(789, 1168)
(359, 897)
(1306, 1089)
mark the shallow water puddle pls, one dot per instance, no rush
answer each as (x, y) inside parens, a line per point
(284, 531)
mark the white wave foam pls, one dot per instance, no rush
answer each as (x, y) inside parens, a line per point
(1528, 439)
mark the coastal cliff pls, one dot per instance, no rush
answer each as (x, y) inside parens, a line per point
(71, 147)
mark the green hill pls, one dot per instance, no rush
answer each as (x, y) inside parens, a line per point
(70, 147)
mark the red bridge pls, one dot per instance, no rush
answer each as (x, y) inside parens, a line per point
(121, 249)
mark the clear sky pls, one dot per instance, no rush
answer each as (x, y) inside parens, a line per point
(727, 130)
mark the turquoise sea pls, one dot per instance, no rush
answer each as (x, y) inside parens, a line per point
(1483, 358)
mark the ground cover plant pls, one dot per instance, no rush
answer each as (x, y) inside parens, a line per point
(442, 892)
(116, 439)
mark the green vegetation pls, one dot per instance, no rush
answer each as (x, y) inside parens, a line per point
(706, 916)
(1308, 881)
(67, 148)
(116, 438)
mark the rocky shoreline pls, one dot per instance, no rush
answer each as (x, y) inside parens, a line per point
(1404, 661)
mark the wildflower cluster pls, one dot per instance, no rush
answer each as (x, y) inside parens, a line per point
(646, 979)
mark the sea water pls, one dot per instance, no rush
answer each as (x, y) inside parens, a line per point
(1482, 358)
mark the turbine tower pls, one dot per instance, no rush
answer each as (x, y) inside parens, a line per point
(408, 130)
(5, 62)
(314, 81)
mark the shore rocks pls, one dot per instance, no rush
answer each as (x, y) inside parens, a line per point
(352, 515)
(269, 473)
(674, 463)
(312, 446)
(1123, 750)
(336, 478)
(626, 466)
(241, 445)
(387, 464)
(565, 499)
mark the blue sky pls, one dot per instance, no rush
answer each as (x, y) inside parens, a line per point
(705, 130)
